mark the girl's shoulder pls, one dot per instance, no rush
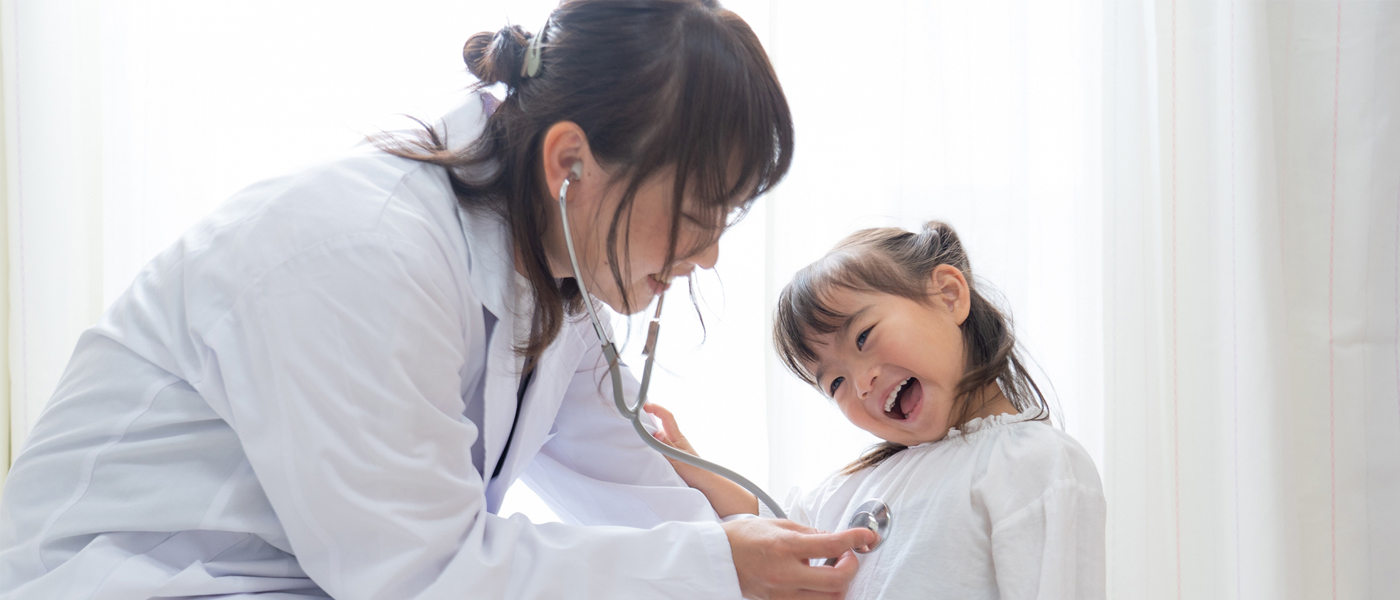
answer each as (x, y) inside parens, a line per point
(1021, 459)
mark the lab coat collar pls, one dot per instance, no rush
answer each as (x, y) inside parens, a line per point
(553, 372)
(491, 266)
(508, 295)
(491, 260)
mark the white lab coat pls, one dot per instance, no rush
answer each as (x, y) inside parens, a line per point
(287, 401)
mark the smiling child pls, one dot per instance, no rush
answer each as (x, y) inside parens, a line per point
(989, 500)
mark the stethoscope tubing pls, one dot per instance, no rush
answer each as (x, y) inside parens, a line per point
(633, 413)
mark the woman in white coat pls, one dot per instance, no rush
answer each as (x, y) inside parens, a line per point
(326, 387)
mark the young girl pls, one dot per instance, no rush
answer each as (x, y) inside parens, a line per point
(988, 499)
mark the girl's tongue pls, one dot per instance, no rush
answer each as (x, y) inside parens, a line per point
(908, 399)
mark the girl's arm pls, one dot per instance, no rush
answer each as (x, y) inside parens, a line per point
(728, 498)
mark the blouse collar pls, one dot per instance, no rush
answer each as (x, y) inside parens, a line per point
(983, 424)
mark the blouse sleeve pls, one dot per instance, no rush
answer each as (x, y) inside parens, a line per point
(1047, 514)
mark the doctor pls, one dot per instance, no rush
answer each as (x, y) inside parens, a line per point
(326, 387)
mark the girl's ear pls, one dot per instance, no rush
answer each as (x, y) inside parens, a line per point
(949, 290)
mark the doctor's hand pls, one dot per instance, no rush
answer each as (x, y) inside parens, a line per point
(772, 556)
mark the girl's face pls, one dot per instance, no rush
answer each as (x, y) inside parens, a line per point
(894, 367)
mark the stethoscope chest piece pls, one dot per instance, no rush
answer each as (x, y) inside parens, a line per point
(873, 514)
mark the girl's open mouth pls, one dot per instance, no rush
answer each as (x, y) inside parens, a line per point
(904, 399)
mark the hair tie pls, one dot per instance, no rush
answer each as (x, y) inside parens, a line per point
(531, 66)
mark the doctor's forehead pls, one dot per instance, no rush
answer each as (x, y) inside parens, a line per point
(721, 189)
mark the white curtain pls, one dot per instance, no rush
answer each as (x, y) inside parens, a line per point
(6, 127)
(1252, 409)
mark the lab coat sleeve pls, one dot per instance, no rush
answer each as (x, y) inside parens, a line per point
(1047, 513)
(340, 373)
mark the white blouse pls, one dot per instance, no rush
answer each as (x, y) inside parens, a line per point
(1008, 507)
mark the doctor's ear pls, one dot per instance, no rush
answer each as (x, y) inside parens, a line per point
(565, 154)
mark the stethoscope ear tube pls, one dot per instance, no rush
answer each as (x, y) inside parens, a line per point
(634, 413)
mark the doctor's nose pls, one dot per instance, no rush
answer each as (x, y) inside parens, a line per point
(707, 256)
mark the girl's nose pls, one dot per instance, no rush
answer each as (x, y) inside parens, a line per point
(866, 383)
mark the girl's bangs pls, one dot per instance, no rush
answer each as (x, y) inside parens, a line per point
(805, 313)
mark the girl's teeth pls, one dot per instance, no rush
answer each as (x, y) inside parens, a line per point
(889, 402)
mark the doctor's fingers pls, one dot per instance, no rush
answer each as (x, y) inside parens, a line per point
(825, 582)
(822, 545)
(798, 579)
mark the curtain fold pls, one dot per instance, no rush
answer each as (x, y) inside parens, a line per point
(1252, 404)
(54, 230)
(6, 127)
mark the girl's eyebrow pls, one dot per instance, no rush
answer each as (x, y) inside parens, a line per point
(851, 319)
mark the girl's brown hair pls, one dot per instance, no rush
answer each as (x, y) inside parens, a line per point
(654, 84)
(901, 263)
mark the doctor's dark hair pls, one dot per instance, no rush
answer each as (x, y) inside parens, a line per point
(655, 85)
(901, 263)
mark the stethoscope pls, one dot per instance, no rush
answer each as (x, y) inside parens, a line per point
(873, 514)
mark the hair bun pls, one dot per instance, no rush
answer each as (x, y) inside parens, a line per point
(497, 57)
(936, 234)
(941, 242)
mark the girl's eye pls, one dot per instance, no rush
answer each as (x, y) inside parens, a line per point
(836, 383)
(860, 340)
